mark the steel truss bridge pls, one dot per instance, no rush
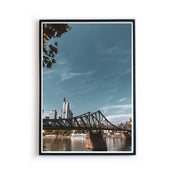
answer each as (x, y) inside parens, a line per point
(87, 121)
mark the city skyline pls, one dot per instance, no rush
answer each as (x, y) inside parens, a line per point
(92, 70)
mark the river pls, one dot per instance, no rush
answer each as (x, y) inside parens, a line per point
(66, 143)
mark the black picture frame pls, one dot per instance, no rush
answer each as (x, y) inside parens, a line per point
(132, 21)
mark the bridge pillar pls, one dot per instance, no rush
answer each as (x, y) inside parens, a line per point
(96, 141)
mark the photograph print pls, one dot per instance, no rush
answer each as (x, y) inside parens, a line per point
(87, 87)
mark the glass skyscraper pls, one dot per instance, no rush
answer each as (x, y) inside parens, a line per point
(66, 111)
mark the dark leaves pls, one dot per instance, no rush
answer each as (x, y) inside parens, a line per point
(45, 57)
(45, 61)
(53, 61)
(49, 64)
(52, 31)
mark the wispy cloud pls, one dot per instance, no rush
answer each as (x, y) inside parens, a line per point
(86, 88)
(60, 60)
(105, 109)
(116, 119)
(115, 49)
(69, 75)
(119, 116)
(116, 77)
(113, 90)
(56, 70)
(110, 98)
(48, 71)
(125, 72)
(122, 99)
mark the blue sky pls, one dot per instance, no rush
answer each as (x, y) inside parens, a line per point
(92, 70)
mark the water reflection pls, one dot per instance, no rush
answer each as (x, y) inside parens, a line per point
(79, 144)
(118, 144)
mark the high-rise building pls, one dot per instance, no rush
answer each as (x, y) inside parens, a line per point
(53, 114)
(66, 111)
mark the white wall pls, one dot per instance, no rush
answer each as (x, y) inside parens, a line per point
(155, 77)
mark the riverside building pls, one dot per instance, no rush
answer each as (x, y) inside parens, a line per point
(53, 114)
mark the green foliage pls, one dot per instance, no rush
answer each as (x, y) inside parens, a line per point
(57, 132)
(129, 125)
(48, 132)
(67, 132)
(79, 131)
(111, 132)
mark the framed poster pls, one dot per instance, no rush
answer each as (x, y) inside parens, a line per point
(87, 87)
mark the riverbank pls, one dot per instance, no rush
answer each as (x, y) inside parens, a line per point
(56, 136)
(69, 136)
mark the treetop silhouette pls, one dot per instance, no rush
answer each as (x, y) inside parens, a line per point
(51, 31)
